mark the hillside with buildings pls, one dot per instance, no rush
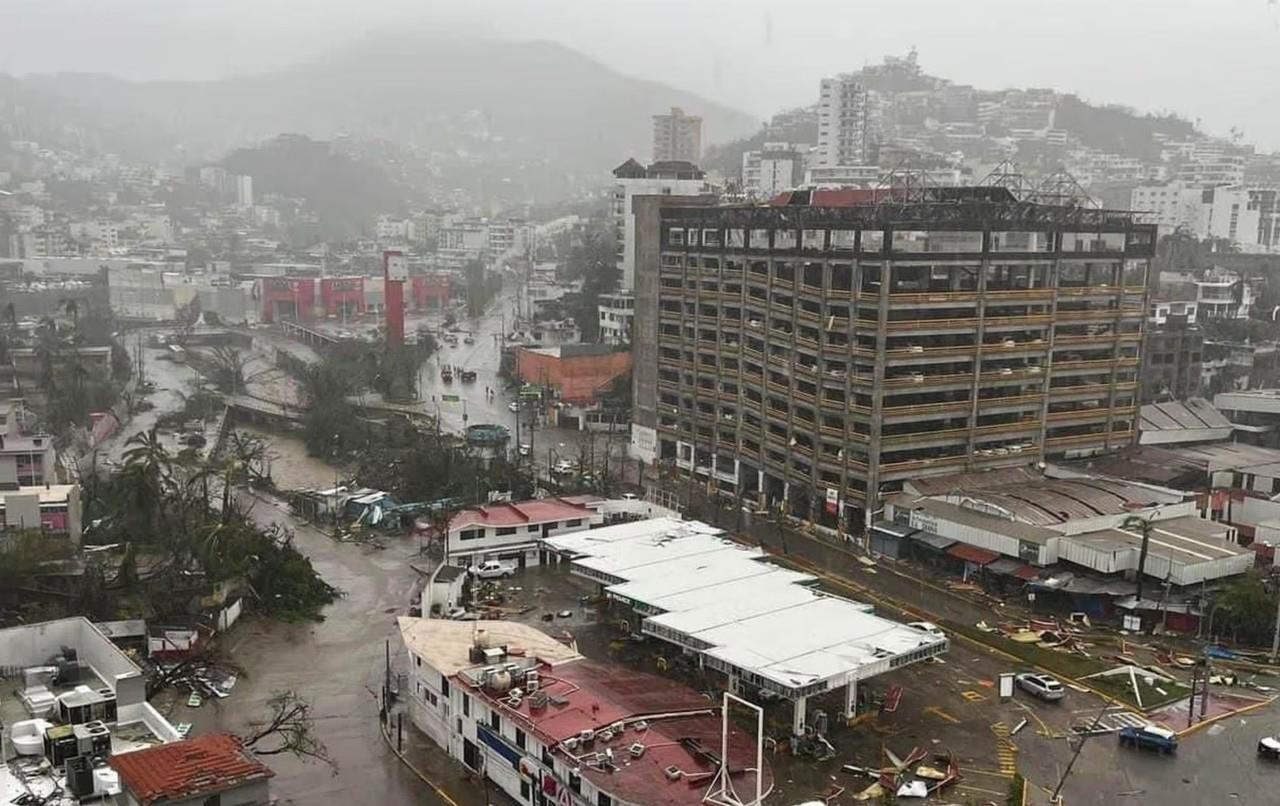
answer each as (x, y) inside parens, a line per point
(514, 106)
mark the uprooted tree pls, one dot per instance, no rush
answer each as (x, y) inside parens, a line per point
(290, 728)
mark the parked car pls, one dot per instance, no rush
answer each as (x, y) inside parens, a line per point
(1149, 737)
(1041, 685)
(929, 627)
(492, 569)
(513, 406)
(563, 467)
(469, 340)
(1269, 747)
(525, 449)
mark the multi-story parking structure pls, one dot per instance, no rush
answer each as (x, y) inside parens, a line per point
(823, 349)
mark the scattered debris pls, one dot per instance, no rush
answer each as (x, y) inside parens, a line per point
(914, 789)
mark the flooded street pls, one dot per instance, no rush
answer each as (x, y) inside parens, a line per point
(288, 463)
(337, 664)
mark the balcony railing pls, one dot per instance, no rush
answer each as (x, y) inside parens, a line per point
(928, 408)
(1114, 437)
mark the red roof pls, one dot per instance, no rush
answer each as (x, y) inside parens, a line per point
(181, 770)
(1027, 572)
(542, 510)
(973, 554)
(593, 696)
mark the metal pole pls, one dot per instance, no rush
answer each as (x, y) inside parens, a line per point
(1062, 780)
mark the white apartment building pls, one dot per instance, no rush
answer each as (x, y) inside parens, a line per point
(1249, 217)
(244, 191)
(617, 315)
(659, 179)
(1216, 294)
(394, 230)
(1220, 170)
(677, 137)
(772, 169)
(844, 128)
(841, 175)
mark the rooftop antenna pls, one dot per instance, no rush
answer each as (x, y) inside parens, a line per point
(906, 182)
(1061, 188)
(1009, 176)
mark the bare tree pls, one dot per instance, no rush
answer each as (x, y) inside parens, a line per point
(289, 729)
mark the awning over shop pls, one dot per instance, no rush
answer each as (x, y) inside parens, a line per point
(973, 554)
(933, 541)
(1013, 568)
(891, 528)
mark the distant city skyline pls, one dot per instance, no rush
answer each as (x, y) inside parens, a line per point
(1203, 60)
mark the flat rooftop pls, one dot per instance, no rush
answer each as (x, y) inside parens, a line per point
(660, 714)
(446, 644)
(750, 618)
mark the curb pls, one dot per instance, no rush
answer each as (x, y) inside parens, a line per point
(1196, 728)
(386, 737)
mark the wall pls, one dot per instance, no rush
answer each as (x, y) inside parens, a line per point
(646, 211)
(252, 794)
(34, 644)
(577, 378)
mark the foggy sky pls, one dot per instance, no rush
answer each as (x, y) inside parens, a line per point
(1212, 60)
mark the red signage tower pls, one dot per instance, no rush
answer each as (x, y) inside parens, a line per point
(395, 270)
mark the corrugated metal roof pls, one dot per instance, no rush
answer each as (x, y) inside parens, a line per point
(973, 554)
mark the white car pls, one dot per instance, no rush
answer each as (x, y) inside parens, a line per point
(929, 627)
(513, 406)
(492, 569)
(1041, 685)
(1269, 747)
(563, 467)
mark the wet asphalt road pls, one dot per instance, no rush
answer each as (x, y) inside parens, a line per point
(337, 663)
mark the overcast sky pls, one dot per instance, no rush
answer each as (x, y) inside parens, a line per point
(1213, 60)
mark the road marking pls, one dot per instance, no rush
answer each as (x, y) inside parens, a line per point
(990, 773)
(1006, 750)
(941, 714)
(973, 696)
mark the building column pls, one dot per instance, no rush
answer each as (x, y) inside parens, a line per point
(734, 683)
(798, 706)
(851, 699)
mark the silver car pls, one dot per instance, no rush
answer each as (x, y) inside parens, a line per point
(1041, 685)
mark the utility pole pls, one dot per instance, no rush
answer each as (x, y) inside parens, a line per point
(1083, 738)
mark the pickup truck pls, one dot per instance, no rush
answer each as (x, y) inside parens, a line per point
(492, 569)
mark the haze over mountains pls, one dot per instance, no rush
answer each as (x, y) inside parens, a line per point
(515, 101)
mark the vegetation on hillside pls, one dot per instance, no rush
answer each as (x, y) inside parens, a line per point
(341, 190)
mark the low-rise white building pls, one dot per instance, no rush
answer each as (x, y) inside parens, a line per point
(548, 726)
(617, 315)
(512, 531)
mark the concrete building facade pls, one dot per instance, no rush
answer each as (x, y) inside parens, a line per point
(838, 343)
(844, 130)
(659, 179)
(677, 137)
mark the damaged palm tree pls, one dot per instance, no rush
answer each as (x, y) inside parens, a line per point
(289, 729)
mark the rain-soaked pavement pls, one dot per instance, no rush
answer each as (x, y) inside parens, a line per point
(337, 663)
